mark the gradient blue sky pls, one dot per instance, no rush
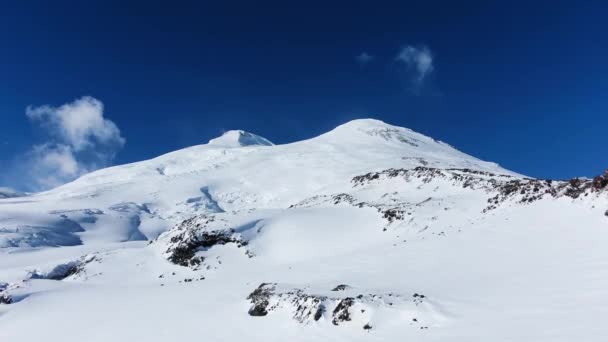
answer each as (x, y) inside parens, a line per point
(519, 83)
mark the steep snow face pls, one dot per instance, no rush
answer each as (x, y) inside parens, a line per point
(238, 138)
(369, 231)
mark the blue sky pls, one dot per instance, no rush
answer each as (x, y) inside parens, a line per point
(519, 83)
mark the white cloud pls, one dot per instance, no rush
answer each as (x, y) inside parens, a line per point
(53, 165)
(417, 59)
(364, 58)
(80, 140)
(80, 124)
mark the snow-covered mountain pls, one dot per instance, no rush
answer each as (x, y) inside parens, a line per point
(369, 231)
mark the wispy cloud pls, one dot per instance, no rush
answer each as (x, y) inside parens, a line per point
(52, 165)
(364, 58)
(80, 124)
(78, 140)
(418, 60)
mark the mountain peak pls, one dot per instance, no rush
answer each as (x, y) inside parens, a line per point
(367, 122)
(239, 138)
(374, 129)
(369, 125)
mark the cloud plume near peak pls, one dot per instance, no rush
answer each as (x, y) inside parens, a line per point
(78, 140)
(80, 124)
(419, 60)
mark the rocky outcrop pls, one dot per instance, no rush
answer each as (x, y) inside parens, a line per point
(64, 270)
(5, 298)
(600, 182)
(268, 297)
(500, 187)
(199, 234)
(464, 177)
(341, 305)
(341, 312)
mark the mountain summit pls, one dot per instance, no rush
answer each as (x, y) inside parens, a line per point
(367, 231)
(238, 138)
(237, 170)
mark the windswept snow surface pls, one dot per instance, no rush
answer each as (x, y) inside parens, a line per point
(368, 232)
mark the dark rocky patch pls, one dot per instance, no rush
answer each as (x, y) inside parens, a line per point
(340, 198)
(63, 271)
(341, 312)
(200, 233)
(341, 287)
(319, 312)
(260, 299)
(600, 182)
(183, 253)
(418, 298)
(393, 214)
(306, 307)
(5, 298)
(503, 187)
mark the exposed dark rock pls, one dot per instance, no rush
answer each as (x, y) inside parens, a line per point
(307, 307)
(600, 182)
(341, 312)
(5, 298)
(198, 234)
(260, 299)
(339, 198)
(418, 298)
(319, 312)
(341, 287)
(501, 187)
(63, 271)
(183, 253)
(393, 214)
(258, 310)
(575, 182)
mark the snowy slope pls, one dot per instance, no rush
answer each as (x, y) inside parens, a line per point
(367, 232)
(235, 171)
